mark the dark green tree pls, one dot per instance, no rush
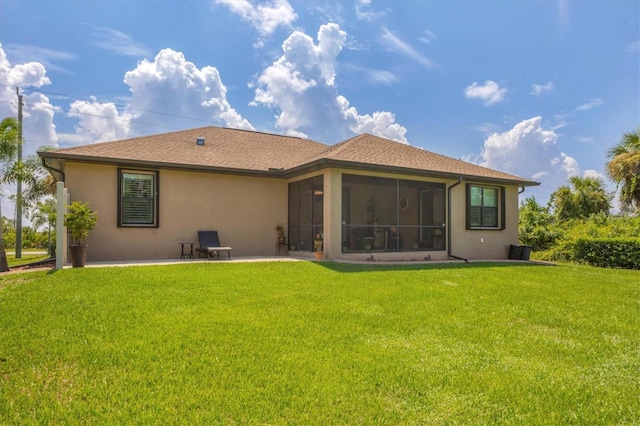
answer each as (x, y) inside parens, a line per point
(536, 227)
(580, 199)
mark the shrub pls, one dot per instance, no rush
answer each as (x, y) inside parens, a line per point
(608, 253)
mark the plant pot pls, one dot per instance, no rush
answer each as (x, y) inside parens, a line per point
(282, 240)
(78, 255)
(319, 255)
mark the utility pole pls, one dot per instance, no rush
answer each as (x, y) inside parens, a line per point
(19, 183)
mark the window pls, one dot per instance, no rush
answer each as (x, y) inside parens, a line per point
(484, 205)
(137, 198)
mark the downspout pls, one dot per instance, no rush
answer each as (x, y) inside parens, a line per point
(521, 190)
(449, 221)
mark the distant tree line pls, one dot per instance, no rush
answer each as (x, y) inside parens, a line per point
(582, 209)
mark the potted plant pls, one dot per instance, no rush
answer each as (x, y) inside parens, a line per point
(282, 238)
(317, 245)
(79, 220)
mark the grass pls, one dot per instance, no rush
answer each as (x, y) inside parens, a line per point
(27, 257)
(301, 343)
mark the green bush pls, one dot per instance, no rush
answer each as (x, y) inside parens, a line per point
(608, 253)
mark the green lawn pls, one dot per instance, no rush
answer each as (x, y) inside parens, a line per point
(28, 256)
(309, 343)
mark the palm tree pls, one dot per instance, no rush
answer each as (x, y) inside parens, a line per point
(585, 196)
(9, 142)
(624, 167)
(38, 183)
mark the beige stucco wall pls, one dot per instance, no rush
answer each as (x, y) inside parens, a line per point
(244, 211)
(482, 244)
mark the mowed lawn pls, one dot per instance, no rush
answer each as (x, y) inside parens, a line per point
(309, 343)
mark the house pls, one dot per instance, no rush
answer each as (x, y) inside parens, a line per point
(366, 195)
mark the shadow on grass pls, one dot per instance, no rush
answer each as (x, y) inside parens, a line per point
(385, 266)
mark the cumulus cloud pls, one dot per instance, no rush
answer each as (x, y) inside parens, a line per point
(530, 151)
(265, 18)
(166, 93)
(540, 89)
(301, 86)
(38, 127)
(173, 85)
(99, 121)
(490, 93)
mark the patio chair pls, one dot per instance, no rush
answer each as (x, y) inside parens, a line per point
(210, 245)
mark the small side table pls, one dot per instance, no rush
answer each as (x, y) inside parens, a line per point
(280, 247)
(184, 254)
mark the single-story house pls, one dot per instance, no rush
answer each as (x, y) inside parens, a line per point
(366, 195)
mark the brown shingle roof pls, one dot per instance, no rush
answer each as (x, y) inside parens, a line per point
(223, 149)
(368, 149)
(255, 152)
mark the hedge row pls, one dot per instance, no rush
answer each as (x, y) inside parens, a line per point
(608, 253)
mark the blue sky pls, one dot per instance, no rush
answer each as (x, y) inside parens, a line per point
(540, 89)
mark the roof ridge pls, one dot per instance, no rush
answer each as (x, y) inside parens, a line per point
(188, 130)
(331, 149)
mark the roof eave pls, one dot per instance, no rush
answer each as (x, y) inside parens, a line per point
(353, 165)
(302, 169)
(161, 165)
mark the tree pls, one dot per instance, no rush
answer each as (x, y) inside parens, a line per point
(37, 181)
(583, 197)
(624, 167)
(536, 227)
(9, 142)
(44, 213)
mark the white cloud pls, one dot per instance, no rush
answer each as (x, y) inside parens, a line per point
(301, 86)
(594, 103)
(491, 93)
(381, 77)
(530, 151)
(166, 93)
(119, 42)
(364, 12)
(585, 139)
(428, 37)
(38, 127)
(594, 174)
(98, 122)
(540, 89)
(265, 18)
(177, 87)
(46, 57)
(396, 44)
(380, 123)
